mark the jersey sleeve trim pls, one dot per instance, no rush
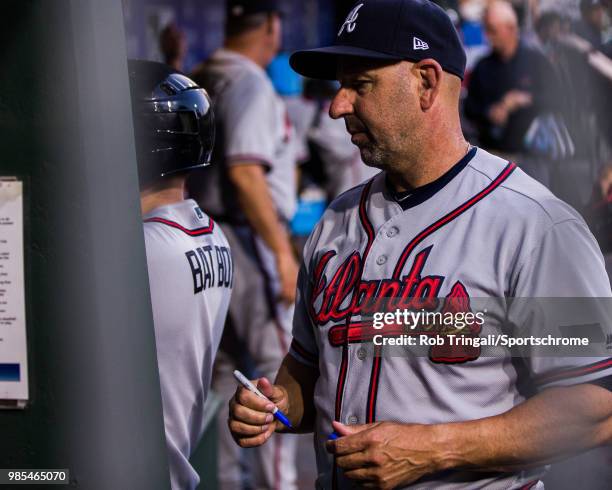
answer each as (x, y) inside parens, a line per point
(248, 158)
(575, 375)
(605, 383)
(298, 351)
(206, 230)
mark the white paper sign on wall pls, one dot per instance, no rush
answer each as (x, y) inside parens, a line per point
(13, 346)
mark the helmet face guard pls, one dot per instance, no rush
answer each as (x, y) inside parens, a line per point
(182, 129)
(174, 122)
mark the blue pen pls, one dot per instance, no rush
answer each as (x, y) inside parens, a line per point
(333, 436)
(242, 379)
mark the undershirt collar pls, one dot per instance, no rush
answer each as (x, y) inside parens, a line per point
(414, 197)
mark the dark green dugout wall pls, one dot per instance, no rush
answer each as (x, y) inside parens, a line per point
(65, 128)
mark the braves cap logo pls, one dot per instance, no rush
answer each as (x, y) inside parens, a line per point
(351, 20)
(420, 44)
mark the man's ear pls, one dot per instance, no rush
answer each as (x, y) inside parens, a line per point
(430, 75)
(270, 23)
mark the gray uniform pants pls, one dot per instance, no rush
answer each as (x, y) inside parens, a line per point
(255, 340)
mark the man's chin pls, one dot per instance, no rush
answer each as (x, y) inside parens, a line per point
(370, 158)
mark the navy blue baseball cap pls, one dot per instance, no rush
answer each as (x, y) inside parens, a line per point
(393, 30)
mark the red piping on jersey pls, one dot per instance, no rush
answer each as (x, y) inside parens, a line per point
(207, 230)
(377, 364)
(365, 222)
(341, 380)
(250, 158)
(373, 388)
(574, 372)
(529, 485)
(451, 216)
(369, 229)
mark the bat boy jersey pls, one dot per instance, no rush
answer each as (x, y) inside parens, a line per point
(190, 277)
(483, 230)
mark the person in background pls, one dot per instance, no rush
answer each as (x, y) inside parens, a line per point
(605, 183)
(184, 250)
(173, 46)
(509, 88)
(549, 27)
(591, 24)
(599, 211)
(251, 193)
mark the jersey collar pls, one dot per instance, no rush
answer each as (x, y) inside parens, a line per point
(414, 197)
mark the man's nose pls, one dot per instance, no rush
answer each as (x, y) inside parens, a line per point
(341, 105)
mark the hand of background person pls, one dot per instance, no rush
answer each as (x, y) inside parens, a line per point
(605, 183)
(288, 272)
(498, 114)
(517, 99)
(250, 417)
(512, 101)
(385, 455)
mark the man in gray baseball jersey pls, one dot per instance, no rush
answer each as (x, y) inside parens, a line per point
(188, 258)
(442, 220)
(251, 193)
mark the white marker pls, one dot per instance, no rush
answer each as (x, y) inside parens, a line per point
(242, 379)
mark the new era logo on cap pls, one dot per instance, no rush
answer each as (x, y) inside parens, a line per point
(420, 44)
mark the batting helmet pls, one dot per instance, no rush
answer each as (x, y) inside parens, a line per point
(173, 121)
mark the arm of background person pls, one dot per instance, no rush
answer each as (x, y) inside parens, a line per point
(256, 202)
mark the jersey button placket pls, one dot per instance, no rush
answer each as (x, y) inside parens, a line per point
(361, 353)
(381, 260)
(352, 419)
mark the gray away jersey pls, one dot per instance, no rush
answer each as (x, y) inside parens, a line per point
(252, 125)
(190, 277)
(483, 230)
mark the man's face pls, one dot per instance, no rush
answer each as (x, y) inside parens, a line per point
(500, 33)
(380, 108)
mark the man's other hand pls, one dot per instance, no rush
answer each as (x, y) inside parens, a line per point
(385, 455)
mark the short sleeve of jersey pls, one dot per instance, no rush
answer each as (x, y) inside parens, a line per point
(249, 122)
(567, 264)
(304, 346)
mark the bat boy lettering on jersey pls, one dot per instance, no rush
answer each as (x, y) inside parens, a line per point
(210, 267)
